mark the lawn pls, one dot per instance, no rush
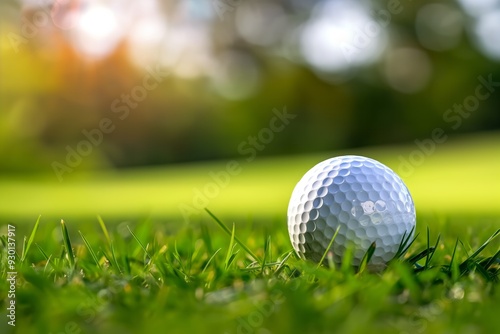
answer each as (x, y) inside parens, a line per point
(143, 269)
(462, 176)
(198, 279)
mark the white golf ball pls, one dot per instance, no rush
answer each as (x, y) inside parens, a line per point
(365, 199)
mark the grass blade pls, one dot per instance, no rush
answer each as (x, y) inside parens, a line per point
(67, 244)
(178, 258)
(205, 236)
(113, 255)
(417, 257)
(282, 263)
(482, 271)
(454, 268)
(431, 254)
(139, 242)
(491, 261)
(210, 260)
(329, 246)
(484, 245)
(471, 262)
(428, 247)
(27, 245)
(113, 260)
(367, 257)
(104, 229)
(43, 252)
(267, 252)
(465, 248)
(405, 244)
(229, 251)
(47, 257)
(224, 227)
(91, 251)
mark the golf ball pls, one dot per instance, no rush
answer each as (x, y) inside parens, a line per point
(365, 200)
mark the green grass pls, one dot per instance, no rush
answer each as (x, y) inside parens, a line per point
(461, 177)
(211, 277)
(232, 269)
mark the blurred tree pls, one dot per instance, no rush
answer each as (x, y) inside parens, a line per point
(185, 81)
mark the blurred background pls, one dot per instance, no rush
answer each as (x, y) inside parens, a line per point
(189, 81)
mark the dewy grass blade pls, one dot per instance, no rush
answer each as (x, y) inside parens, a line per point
(67, 244)
(224, 227)
(30, 240)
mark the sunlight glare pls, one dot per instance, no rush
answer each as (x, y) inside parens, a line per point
(97, 32)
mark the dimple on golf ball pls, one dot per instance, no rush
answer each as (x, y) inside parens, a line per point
(365, 200)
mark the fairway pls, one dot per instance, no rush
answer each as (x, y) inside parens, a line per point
(459, 177)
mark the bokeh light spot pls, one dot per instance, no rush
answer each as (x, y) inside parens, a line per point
(488, 34)
(341, 35)
(97, 31)
(438, 26)
(478, 7)
(236, 76)
(407, 70)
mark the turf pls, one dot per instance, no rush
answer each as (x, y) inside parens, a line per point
(211, 277)
(142, 268)
(460, 177)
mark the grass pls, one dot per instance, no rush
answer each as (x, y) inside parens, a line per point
(445, 181)
(213, 277)
(127, 274)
